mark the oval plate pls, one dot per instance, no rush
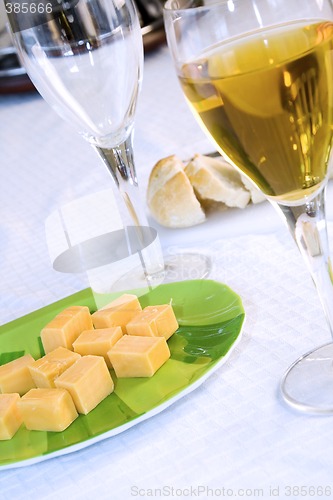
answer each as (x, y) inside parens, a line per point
(210, 316)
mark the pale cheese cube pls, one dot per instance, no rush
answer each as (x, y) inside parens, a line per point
(88, 381)
(136, 356)
(159, 321)
(10, 416)
(64, 329)
(46, 369)
(47, 409)
(98, 342)
(15, 375)
(118, 312)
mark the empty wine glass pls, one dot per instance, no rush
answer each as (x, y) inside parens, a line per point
(258, 76)
(85, 57)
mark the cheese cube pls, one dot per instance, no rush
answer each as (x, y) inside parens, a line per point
(10, 416)
(136, 356)
(88, 381)
(64, 329)
(98, 342)
(15, 375)
(118, 312)
(159, 321)
(50, 366)
(47, 409)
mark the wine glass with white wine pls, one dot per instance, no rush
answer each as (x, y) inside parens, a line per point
(258, 76)
(85, 57)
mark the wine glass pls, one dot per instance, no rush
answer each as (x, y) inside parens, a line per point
(258, 76)
(85, 57)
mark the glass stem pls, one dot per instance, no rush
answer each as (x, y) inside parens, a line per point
(119, 161)
(307, 224)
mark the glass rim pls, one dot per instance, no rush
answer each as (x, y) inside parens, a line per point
(182, 5)
(187, 5)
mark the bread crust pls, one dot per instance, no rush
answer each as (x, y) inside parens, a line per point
(170, 195)
(213, 179)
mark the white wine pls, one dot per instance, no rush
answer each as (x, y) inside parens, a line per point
(267, 101)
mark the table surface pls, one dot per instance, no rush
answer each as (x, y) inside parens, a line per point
(233, 436)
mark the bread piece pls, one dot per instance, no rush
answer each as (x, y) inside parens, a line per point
(170, 196)
(256, 195)
(213, 179)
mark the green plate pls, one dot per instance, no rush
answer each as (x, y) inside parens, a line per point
(210, 316)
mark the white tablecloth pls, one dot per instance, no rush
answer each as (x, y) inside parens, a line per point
(233, 436)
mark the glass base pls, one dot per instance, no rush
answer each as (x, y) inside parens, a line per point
(186, 266)
(178, 267)
(308, 384)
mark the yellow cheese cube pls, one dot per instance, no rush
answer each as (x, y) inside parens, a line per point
(136, 356)
(10, 416)
(98, 342)
(118, 313)
(88, 381)
(64, 329)
(50, 366)
(15, 375)
(159, 321)
(47, 409)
